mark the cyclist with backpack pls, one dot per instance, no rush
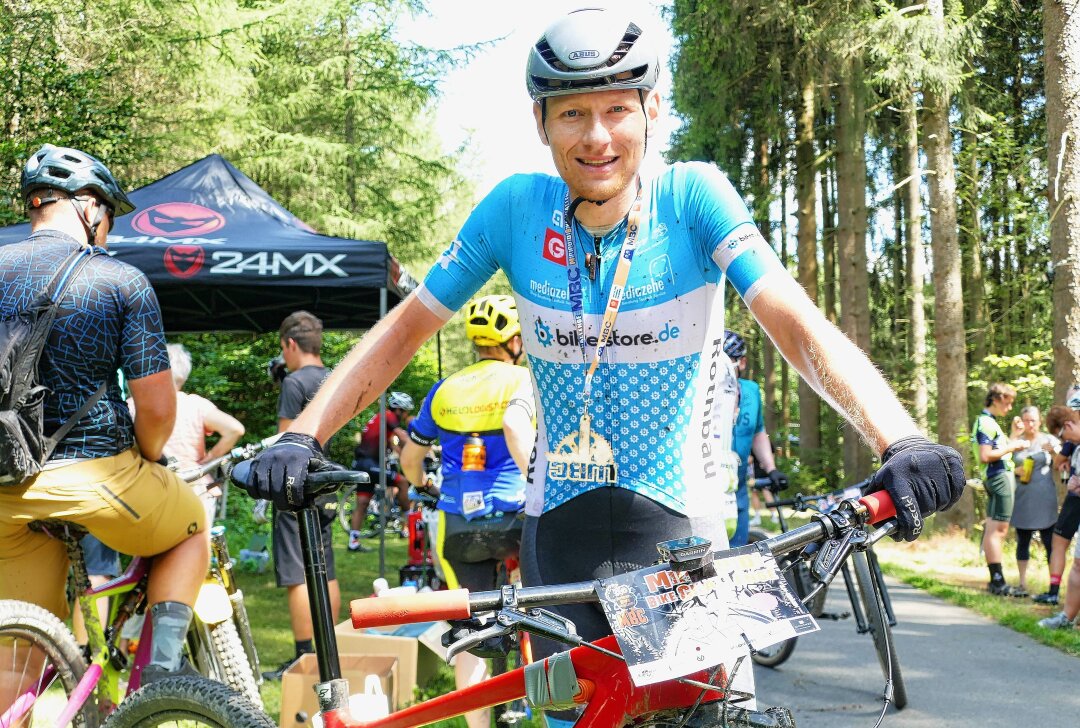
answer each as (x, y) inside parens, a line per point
(618, 278)
(472, 414)
(71, 449)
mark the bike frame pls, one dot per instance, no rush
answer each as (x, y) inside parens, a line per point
(608, 694)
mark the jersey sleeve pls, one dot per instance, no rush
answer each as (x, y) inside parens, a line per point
(291, 401)
(422, 429)
(523, 397)
(142, 338)
(759, 426)
(728, 232)
(470, 260)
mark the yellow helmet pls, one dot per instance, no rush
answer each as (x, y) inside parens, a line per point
(491, 320)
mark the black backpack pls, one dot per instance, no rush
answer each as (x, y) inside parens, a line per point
(24, 447)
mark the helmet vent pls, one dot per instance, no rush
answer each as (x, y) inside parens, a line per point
(633, 32)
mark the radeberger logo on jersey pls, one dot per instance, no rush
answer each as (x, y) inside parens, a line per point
(554, 246)
(546, 336)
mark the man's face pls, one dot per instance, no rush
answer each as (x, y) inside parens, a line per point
(1003, 404)
(597, 139)
(1070, 431)
(290, 352)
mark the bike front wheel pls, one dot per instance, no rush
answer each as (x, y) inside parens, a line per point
(879, 627)
(187, 701)
(39, 657)
(232, 662)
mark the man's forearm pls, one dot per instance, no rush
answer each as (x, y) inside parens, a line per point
(762, 449)
(368, 369)
(836, 368)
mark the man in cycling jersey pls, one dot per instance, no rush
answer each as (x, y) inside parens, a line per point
(750, 436)
(104, 473)
(618, 280)
(1069, 515)
(398, 407)
(472, 414)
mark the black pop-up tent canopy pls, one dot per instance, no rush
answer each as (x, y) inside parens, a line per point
(223, 255)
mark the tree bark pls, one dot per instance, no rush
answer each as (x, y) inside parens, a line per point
(851, 237)
(768, 352)
(806, 198)
(1061, 33)
(916, 262)
(948, 294)
(828, 238)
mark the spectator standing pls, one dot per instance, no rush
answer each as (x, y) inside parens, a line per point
(1068, 519)
(301, 348)
(749, 436)
(995, 451)
(1035, 506)
(1066, 422)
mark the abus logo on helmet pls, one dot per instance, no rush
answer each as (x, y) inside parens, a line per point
(184, 261)
(178, 220)
(575, 55)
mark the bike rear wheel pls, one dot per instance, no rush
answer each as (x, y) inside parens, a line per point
(27, 630)
(188, 701)
(879, 628)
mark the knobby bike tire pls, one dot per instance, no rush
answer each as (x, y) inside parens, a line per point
(346, 504)
(191, 700)
(232, 660)
(880, 631)
(41, 628)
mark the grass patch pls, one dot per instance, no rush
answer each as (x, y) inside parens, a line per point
(950, 566)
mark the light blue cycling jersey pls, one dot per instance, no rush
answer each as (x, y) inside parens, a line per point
(654, 391)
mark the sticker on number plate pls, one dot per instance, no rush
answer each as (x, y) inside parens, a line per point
(669, 625)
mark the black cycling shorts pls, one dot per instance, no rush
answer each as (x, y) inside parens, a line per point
(1068, 518)
(288, 556)
(474, 550)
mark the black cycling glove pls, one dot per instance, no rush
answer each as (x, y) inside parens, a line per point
(922, 477)
(779, 480)
(280, 471)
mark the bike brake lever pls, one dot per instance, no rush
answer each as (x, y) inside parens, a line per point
(499, 629)
(833, 553)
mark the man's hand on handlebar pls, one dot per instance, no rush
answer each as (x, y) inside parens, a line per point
(278, 473)
(922, 477)
(779, 480)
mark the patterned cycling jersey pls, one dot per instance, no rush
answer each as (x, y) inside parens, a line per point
(464, 412)
(654, 391)
(109, 319)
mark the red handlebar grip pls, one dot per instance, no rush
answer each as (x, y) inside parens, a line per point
(409, 608)
(880, 505)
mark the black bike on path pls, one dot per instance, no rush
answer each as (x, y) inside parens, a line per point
(870, 602)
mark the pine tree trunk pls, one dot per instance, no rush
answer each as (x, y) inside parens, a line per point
(916, 263)
(806, 197)
(948, 293)
(1061, 33)
(828, 236)
(768, 352)
(851, 237)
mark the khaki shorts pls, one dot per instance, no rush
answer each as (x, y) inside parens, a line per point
(1000, 490)
(132, 505)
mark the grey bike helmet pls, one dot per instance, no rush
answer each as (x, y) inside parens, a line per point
(70, 170)
(591, 49)
(399, 400)
(734, 345)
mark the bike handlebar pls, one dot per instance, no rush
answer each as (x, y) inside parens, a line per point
(460, 604)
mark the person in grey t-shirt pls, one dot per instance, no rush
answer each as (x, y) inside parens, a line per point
(1035, 505)
(301, 347)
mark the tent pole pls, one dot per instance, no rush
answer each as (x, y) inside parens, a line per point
(382, 460)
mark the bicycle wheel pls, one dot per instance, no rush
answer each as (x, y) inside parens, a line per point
(25, 630)
(187, 701)
(879, 628)
(232, 662)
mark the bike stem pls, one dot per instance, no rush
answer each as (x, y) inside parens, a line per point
(319, 595)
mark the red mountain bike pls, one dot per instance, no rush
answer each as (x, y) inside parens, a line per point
(598, 676)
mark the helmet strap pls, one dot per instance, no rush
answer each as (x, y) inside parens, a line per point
(91, 227)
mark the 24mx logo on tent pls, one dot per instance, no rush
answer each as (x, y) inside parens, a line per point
(178, 220)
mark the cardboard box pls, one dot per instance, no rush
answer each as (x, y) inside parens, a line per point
(298, 683)
(419, 652)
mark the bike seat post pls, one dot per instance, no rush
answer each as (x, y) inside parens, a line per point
(319, 595)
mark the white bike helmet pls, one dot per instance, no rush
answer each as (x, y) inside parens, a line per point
(399, 400)
(591, 49)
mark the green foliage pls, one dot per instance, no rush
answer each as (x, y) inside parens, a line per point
(1030, 374)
